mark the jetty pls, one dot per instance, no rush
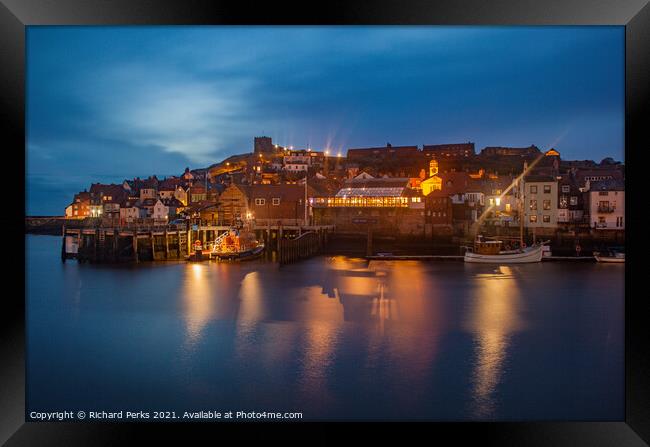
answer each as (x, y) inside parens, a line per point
(284, 244)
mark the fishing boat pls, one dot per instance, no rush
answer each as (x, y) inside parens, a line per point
(611, 255)
(492, 251)
(236, 245)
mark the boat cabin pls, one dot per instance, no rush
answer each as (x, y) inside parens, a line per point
(487, 247)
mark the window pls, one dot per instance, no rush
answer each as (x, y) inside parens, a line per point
(533, 189)
(546, 219)
(533, 204)
(547, 189)
(547, 204)
(507, 207)
(275, 201)
(533, 218)
(563, 202)
(260, 201)
(602, 193)
(566, 188)
(573, 200)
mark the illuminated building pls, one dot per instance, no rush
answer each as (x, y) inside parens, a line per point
(434, 182)
(387, 204)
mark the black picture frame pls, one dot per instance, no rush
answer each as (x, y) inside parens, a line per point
(15, 15)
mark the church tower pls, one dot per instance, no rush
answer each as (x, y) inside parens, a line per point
(433, 167)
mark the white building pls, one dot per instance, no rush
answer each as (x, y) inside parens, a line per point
(160, 210)
(606, 204)
(131, 212)
(540, 201)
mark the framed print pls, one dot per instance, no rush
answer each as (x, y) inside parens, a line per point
(397, 213)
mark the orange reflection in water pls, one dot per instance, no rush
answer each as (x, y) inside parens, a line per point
(197, 300)
(493, 319)
(413, 320)
(208, 291)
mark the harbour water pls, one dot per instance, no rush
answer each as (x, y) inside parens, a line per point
(331, 337)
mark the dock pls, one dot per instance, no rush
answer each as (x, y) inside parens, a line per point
(461, 258)
(128, 244)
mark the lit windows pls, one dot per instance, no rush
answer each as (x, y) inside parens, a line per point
(260, 201)
(533, 204)
(547, 204)
(275, 201)
(533, 218)
(547, 189)
(546, 219)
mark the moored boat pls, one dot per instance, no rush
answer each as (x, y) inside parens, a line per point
(491, 252)
(241, 255)
(611, 256)
(237, 246)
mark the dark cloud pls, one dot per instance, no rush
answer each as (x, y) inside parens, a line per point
(123, 101)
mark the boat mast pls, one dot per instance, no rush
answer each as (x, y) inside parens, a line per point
(306, 211)
(521, 210)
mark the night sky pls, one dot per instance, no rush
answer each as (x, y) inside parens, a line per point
(108, 103)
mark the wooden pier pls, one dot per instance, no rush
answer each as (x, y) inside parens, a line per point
(283, 243)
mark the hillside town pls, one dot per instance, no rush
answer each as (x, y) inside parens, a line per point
(408, 191)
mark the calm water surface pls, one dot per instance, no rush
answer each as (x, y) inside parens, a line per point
(335, 338)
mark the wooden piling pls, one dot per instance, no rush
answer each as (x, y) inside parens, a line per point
(136, 258)
(63, 250)
(166, 245)
(152, 238)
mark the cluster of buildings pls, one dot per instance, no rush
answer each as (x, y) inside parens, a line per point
(401, 190)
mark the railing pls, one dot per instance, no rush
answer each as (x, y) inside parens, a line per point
(606, 209)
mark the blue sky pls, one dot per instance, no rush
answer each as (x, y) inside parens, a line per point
(106, 103)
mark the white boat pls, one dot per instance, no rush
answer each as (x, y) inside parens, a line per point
(494, 252)
(489, 252)
(614, 257)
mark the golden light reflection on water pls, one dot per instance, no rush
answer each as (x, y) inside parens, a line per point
(493, 318)
(414, 320)
(286, 324)
(198, 301)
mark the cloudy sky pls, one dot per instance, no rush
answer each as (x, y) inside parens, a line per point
(106, 103)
